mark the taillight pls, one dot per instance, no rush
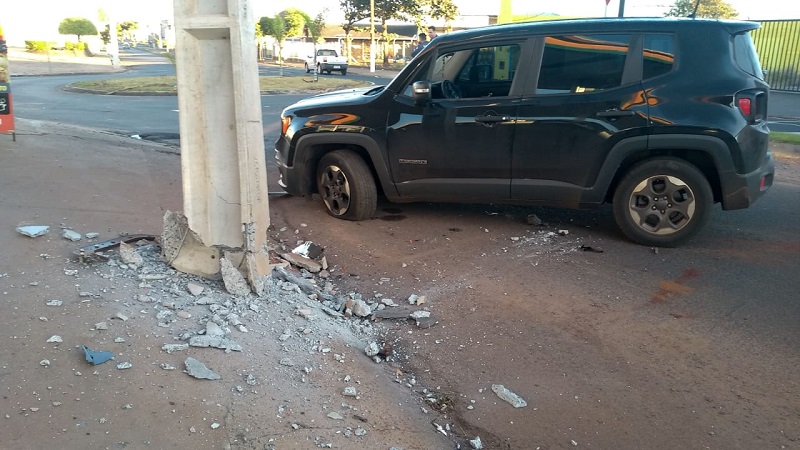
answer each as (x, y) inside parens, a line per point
(745, 106)
(285, 121)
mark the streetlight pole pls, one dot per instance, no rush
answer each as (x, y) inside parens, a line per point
(372, 36)
(621, 8)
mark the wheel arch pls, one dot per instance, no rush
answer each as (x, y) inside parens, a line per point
(311, 148)
(710, 155)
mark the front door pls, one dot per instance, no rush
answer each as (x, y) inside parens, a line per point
(458, 146)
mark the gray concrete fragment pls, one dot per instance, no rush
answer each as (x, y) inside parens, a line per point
(169, 348)
(350, 391)
(371, 349)
(33, 230)
(234, 281)
(71, 235)
(214, 330)
(393, 313)
(416, 315)
(335, 416)
(92, 235)
(426, 322)
(129, 255)
(199, 370)
(194, 288)
(303, 262)
(476, 443)
(215, 342)
(361, 309)
(534, 220)
(515, 400)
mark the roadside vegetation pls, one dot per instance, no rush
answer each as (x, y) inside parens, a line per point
(168, 84)
(785, 138)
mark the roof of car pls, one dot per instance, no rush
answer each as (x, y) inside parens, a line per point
(662, 24)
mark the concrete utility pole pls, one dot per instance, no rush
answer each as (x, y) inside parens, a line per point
(372, 36)
(222, 146)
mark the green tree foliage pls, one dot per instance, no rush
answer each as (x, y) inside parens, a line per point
(77, 26)
(440, 9)
(354, 11)
(275, 27)
(124, 31)
(715, 9)
(295, 21)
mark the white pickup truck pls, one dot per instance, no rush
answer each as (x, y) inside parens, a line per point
(326, 60)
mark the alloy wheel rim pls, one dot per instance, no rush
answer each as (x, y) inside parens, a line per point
(335, 190)
(662, 204)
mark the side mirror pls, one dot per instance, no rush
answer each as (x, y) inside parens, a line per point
(421, 92)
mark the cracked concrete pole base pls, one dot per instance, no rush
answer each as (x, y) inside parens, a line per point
(184, 251)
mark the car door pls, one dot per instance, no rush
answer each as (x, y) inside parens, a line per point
(587, 97)
(457, 148)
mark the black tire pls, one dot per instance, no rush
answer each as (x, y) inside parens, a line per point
(328, 71)
(307, 69)
(346, 186)
(344, 72)
(662, 202)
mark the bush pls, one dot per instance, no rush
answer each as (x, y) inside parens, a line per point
(36, 46)
(69, 46)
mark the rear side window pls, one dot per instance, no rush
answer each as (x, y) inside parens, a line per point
(659, 55)
(578, 64)
(744, 53)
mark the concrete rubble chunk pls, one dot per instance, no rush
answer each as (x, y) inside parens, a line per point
(55, 338)
(214, 342)
(534, 220)
(371, 349)
(130, 256)
(199, 370)
(169, 348)
(92, 235)
(234, 281)
(349, 391)
(515, 400)
(476, 443)
(416, 315)
(124, 365)
(335, 416)
(214, 330)
(195, 289)
(361, 309)
(34, 230)
(302, 262)
(71, 235)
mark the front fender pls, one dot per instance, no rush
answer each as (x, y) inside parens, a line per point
(311, 147)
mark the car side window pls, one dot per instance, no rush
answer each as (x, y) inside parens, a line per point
(659, 55)
(582, 63)
(489, 71)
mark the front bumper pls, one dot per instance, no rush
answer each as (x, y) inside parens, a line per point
(739, 191)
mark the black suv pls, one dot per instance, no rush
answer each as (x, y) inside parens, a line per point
(661, 117)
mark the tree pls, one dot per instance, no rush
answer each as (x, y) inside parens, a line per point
(440, 9)
(715, 9)
(395, 9)
(275, 27)
(77, 26)
(295, 21)
(354, 11)
(124, 31)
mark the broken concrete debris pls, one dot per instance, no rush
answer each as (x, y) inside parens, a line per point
(194, 289)
(55, 338)
(534, 220)
(96, 356)
(309, 249)
(199, 370)
(515, 400)
(71, 235)
(130, 256)
(372, 349)
(170, 348)
(302, 262)
(234, 281)
(214, 342)
(124, 365)
(476, 443)
(33, 230)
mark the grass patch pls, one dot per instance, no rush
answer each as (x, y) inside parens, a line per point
(167, 84)
(785, 138)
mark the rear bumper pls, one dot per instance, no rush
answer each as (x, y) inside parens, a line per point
(329, 66)
(739, 191)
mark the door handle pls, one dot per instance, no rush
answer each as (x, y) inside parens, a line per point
(615, 113)
(492, 119)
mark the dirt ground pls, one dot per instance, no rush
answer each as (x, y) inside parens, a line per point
(609, 350)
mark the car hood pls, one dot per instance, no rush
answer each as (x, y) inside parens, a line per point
(338, 98)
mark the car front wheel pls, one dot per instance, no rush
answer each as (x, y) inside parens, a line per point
(346, 185)
(662, 202)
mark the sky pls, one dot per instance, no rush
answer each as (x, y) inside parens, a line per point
(39, 19)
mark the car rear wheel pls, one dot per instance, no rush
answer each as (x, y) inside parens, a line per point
(346, 185)
(662, 202)
(344, 72)
(307, 68)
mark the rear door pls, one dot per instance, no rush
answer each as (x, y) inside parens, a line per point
(584, 98)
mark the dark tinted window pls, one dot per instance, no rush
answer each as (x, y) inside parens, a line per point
(744, 52)
(580, 64)
(659, 55)
(491, 64)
